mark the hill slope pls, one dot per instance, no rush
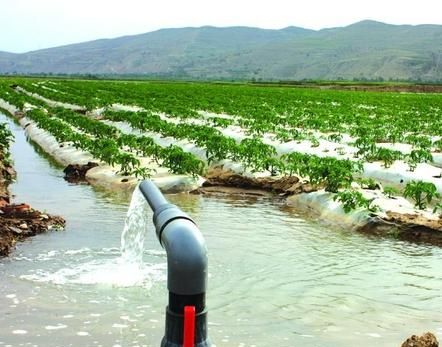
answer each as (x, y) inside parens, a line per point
(366, 49)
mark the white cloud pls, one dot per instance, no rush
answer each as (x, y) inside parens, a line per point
(34, 24)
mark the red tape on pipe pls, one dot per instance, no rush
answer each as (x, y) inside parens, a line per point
(189, 326)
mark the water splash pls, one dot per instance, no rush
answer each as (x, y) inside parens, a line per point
(135, 229)
(123, 269)
(111, 272)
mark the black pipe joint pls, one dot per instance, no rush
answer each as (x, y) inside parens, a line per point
(174, 330)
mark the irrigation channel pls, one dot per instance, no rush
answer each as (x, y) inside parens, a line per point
(275, 278)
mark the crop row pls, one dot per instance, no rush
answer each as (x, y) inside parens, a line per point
(5, 139)
(264, 108)
(290, 114)
(108, 144)
(10, 95)
(105, 142)
(365, 141)
(251, 152)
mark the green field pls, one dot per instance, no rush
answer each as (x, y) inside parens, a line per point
(324, 136)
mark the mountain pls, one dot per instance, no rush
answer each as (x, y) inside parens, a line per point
(366, 49)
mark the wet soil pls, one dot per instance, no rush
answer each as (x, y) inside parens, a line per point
(426, 340)
(7, 173)
(75, 173)
(19, 221)
(220, 180)
(407, 227)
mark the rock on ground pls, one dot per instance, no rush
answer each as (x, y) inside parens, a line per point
(77, 173)
(20, 221)
(426, 340)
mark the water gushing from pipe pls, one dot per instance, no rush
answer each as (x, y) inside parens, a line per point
(135, 229)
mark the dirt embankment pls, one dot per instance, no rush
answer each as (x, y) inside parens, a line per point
(412, 88)
(76, 173)
(405, 226)
(365, 87)
(219, 180)
(19, 221)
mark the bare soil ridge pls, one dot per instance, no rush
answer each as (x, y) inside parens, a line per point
(19, 221)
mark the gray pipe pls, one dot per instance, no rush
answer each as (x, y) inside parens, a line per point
(183, 242)
(152, 194)
(186, 268)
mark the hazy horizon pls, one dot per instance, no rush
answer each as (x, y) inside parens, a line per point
(34, 25)
(207, 25)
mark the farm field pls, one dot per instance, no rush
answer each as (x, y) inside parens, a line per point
(357, 153)
(281, 180)
(300, 283)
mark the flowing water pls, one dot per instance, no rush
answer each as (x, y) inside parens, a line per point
(135, 229)
(275, 278)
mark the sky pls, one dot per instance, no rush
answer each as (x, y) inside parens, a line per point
(28, 25)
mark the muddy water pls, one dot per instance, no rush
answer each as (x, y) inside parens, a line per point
(276, 279)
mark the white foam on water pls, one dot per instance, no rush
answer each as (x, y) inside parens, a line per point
(124, 271)
(77, 251)
(19, 332)
(47, 256)
(115, 272)
(83, 333)
(55, 327)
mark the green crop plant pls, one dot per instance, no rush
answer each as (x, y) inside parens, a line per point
(180, 162)
(274, 165)
(366, 147)
(296, 163)
(419, 141)
(284, 135)
(218, 147)
(368, 183)
(128, 163)
(335, 138)
(387, 156)
(5, 138)
(438, 145)
(296, 134)
(221, 122)
(340, 150)
(395, 135)
(422, 193)
(390, 192)
(253, 153)
(438, 207)
(417, 156)
(352, 199)
(330, 172)
(314, 142)
(337, 174)
(142, 172)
